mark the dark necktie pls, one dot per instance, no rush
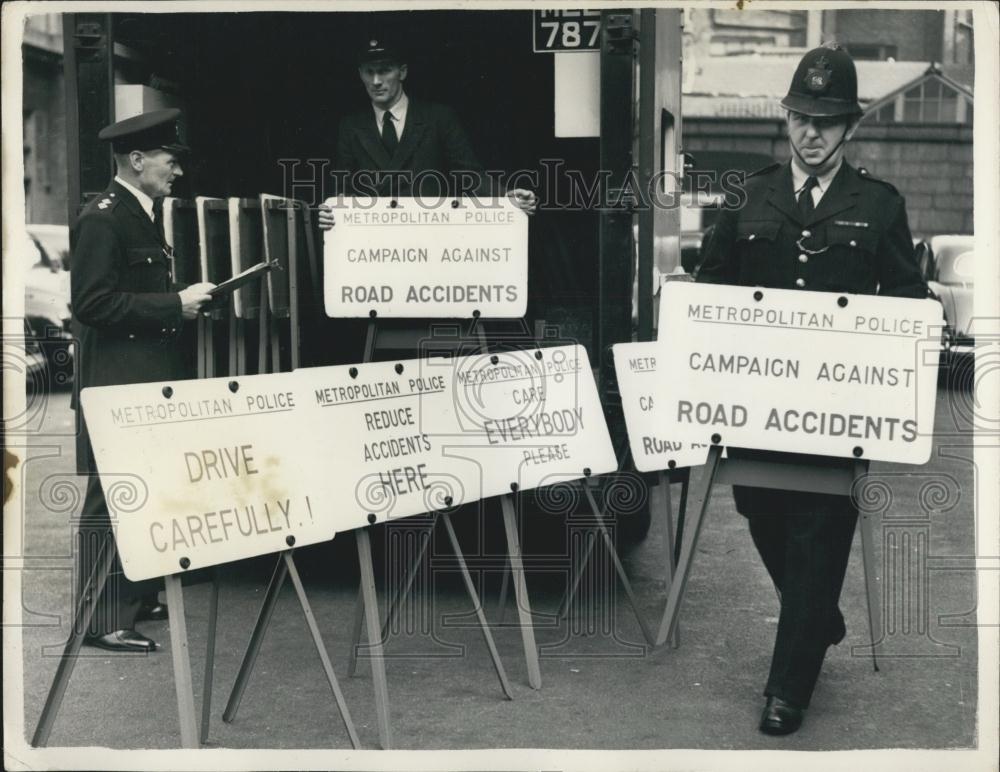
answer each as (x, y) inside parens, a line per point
(158, 216)
(806, 207)
(389, 137)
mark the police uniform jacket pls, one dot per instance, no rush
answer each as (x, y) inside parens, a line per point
(433, 141)
(126, 310)
(857, 240)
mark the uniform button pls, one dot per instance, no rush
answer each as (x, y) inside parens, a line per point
(803, 258)
(806, 234)
(853, 243)
(163, 329)
(752, 236)
(131, 336)
(800, 282)
(149, 260)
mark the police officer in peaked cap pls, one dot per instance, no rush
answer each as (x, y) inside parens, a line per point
(127, 317)
(814, 222)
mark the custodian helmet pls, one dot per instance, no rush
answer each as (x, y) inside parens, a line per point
(824, 84)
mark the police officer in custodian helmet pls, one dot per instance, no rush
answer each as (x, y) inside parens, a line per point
(127, 317)
(815, 223)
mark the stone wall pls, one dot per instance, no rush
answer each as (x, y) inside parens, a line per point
(930, 165)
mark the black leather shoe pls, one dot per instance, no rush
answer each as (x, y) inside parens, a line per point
(122, 640)
(780, 717)
(152, 612)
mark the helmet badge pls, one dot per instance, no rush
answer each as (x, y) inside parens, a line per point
(818, 77)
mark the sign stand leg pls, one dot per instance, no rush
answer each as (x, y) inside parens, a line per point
(502, 599)
(474, 597)
(356, 628)
(262, 329)
(577, 570)
(668, 543)
(619, 569)
(394, 604)
(521, 592)
(81, 622)
(213, 620)
(202, 336)
(256, 638)
(182, 662)
(680, 578)
(275, 337)
(331, 678)
(681, 511)
(374, 637)
(868, 559)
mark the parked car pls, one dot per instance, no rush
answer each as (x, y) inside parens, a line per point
(951, 268)
(47, 301)
(948, 264)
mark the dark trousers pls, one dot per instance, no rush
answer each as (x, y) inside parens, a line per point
(117, 606)
(805, 543)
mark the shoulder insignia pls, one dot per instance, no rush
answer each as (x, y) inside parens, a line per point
(767, 169)
(867, 175)
(104, 203)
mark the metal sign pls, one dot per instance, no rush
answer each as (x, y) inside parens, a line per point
(411, 258)
(641, 383)
(201, 472)
(408, 437)
(807, 372)
(246, 249)
(566, 30)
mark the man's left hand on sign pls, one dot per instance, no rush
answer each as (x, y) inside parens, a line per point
(325, 218)
(525, 200)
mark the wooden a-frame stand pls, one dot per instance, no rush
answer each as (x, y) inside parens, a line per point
(601, 533)
(793, 476)
(515, 565)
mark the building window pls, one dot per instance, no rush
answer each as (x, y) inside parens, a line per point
(930, 101)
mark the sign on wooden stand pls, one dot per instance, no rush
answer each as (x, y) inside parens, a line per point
(816, 373)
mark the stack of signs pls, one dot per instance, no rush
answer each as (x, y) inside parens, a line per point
(787, 370)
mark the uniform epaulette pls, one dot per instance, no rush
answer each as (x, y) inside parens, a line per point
(867, 175)
(764, 170)
(104, 202)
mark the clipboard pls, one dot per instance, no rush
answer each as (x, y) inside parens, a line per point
(245, 277)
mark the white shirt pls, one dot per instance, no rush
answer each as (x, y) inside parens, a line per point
(398, 112)
(144, 201)
(823, 181)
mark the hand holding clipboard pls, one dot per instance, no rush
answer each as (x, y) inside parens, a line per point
(252, 273)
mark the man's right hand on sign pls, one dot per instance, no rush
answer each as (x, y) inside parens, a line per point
(325, 217)
(194, 297)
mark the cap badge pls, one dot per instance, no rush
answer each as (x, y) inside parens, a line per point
(818, 76)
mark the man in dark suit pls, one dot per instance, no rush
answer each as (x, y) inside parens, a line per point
(405, 147)
(127, 317)
(813, 223)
